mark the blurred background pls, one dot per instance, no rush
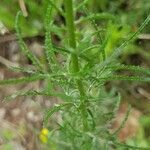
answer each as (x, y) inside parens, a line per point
(21, 119)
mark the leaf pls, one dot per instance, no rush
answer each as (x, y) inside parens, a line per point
(128, 78)
(22, 69)
(119, 50)
(96, 16)
(51, 111)
(24, 47)
(22, 79)
(93, 22)
(62, 49)
(57, 8)
(117, 104)
(25, 93)
(123, 121)
(126, 146)
(49, 51)
(130, 68)
(116, 107)
(81, 5)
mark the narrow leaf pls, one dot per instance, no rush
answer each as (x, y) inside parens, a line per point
(128, 78)
(51, 111)
(22, 79)
(130, 68)
(24, 47)
(123, 122)
(24, 93)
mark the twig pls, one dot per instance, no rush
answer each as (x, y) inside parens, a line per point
(8, 63)
(23, 8)
(7, 38)
(144, 37)
(144, 93)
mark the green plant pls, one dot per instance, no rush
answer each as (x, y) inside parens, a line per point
(30, 25)
(7, 16)
(86, 109)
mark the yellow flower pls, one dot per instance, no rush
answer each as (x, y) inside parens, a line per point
(44, 135)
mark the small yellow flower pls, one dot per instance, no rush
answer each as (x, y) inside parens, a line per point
(44, 135)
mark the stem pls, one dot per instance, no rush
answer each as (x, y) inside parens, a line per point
(74, 58)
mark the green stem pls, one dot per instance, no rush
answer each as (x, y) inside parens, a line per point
(74, 58)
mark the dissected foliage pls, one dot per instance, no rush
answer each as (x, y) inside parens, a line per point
(89, 61)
